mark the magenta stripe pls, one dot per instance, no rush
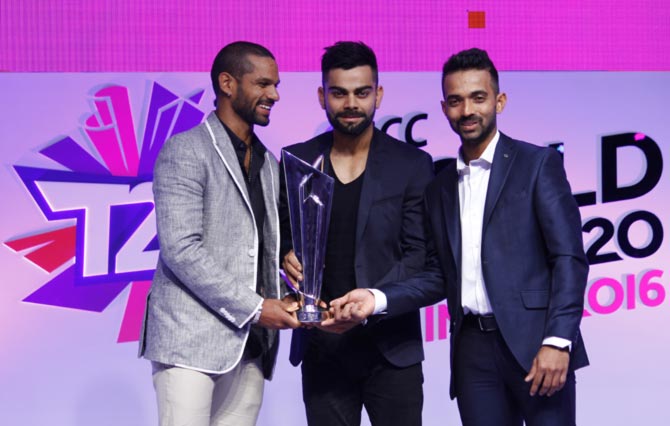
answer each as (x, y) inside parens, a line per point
(418, 35)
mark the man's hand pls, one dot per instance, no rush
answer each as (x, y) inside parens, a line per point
(279, 314)
(349, 311)
(356, 305)
(293, 299)
(549, 371)
(293, 269)
(333, 326)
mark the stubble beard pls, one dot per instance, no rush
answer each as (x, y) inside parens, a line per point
(246, 110)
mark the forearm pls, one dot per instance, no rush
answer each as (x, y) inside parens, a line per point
(421, 289)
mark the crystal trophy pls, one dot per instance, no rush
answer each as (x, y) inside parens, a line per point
(310, 193)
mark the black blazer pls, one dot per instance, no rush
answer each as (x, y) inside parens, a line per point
(390, 240)
(532, 253)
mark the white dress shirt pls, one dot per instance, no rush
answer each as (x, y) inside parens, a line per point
(473, 181)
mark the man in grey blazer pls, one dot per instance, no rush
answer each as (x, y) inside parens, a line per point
(214, 307)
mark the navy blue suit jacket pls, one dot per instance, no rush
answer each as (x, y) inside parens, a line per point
(532, 254)
(390, 241)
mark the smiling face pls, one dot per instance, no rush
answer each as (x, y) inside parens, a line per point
(256, 91)
(471, 104)
(350, 98)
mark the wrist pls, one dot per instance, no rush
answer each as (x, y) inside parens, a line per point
(557, 342)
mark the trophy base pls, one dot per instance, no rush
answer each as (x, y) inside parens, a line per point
(311, 317)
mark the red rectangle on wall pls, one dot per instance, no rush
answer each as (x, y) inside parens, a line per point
(476, 19)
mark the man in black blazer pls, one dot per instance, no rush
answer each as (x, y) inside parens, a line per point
(506, 251)
(376, 235)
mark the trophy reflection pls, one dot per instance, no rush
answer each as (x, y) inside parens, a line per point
(310, 193)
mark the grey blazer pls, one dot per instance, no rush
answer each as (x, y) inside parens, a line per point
(203, 294)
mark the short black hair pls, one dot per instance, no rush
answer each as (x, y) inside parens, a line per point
(234, 59)
(471, 59)
(347, 55)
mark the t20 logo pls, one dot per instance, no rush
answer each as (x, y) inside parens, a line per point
(105, 190)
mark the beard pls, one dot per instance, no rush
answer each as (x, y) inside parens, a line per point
(246, 109)
(351, 129)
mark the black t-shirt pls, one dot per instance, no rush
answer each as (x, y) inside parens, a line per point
(338, 275)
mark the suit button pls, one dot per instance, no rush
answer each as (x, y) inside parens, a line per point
(251, 252)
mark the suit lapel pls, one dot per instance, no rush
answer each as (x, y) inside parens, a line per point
(270, 191)
(502, 164)
(226, 152)
(322, 145)
(371, 184)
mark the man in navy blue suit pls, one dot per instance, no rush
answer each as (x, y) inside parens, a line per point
(376, 235)
(506, 251)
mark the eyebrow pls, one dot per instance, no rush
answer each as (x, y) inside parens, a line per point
(267, 80)
(342, 89)
(470, 95)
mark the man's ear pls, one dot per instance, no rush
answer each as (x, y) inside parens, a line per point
(227, 84)
(322, 97)
(380, 95)
(501, 101)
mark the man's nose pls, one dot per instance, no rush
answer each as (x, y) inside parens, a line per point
(468, 108)
(350, 102)
(273, 93)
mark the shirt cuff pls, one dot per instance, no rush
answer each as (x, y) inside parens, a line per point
(257, 314)
(558, 342)
(380, 301)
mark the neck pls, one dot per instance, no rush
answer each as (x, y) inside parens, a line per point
(350, 144)
(241, 128)
(472, 151)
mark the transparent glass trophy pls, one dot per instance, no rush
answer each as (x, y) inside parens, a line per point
(310, 194)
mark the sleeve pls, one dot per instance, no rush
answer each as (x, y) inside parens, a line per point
(560, 223)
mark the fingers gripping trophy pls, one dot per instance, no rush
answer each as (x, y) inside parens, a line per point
(310, 195)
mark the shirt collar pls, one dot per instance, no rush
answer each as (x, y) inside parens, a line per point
(239, 144)
(486, 157)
